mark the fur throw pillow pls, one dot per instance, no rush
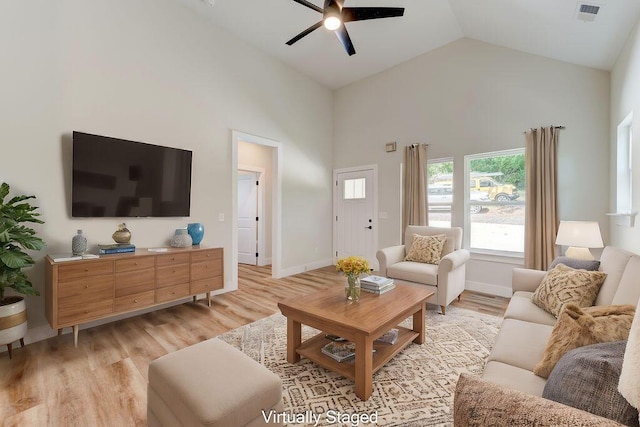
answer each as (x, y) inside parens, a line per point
(629, 385)
(577, 327)
(427, 249)
(565, 285)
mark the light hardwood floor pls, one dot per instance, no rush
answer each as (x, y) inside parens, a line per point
(103, 381)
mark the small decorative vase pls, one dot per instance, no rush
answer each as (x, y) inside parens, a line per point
(181, 239)
(78, 244)
(352, 288)
(122, 234)
(196, 231)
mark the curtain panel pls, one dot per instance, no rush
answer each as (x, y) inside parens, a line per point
(541, 214)
(414, 200)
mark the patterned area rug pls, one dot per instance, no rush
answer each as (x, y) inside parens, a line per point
(415, 388)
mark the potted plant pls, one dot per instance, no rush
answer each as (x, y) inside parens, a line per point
(15, 239)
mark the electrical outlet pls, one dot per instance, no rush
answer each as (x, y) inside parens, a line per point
(221, 217)
(316, 249)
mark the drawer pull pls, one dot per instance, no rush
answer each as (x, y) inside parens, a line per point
(86, 269)
(86, 311)
(86, 286)
(135, 300)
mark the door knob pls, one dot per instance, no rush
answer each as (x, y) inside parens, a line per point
(369, 227)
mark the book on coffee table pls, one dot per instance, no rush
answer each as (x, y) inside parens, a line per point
(389, 337)
(378, 291)
(340, 351)
(378, 281)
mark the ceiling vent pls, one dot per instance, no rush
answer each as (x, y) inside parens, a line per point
(587, 12)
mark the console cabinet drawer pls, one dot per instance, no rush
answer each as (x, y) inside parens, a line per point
(89, 288)
(75, 314)
(134, 264)
(134, 302)
(203, 270)
(172, 293)
(84, 269)
(136, 281)
(206, 285)
(172, 275)
(172, 259)
(207, 255)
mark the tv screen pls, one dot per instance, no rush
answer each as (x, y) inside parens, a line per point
(119, 178)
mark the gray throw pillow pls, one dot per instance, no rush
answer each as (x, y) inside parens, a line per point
(587, 378)
(577, 264)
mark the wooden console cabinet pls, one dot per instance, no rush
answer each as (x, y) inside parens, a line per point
(81, 291)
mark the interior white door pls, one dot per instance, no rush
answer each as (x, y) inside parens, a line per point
(247, 218)
(355, 221)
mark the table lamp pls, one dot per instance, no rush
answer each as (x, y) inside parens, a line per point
(579, 236)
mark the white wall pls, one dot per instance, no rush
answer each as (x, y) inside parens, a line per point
(471, 97)
(625, 98)
(153, 71)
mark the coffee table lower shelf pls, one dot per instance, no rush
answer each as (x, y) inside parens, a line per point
(312, 350)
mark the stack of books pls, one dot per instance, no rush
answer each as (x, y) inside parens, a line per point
(116, 248)
(340, 351)
(376, 284)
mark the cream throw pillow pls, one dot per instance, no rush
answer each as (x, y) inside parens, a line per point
(629, 385)
(427, 249)
(577, 327)
(564, 285)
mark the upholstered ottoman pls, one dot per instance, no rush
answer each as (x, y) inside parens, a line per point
(211, 384)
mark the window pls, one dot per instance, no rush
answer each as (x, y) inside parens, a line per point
(440, 191)
(496, 201)
(354, 189)
(623, 166)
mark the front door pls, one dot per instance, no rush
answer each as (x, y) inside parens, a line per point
(355, 226)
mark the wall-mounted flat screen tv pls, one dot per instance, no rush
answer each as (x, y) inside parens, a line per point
(119, 178)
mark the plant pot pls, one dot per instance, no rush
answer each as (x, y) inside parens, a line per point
(13, 321)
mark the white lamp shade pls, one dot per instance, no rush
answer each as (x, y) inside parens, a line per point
(582, 234)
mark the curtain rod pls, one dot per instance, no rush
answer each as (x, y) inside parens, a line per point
(415, 145)
(556, 127)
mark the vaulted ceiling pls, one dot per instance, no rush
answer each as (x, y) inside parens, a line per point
(550, 28)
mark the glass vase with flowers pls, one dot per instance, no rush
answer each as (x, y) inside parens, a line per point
(352, 267)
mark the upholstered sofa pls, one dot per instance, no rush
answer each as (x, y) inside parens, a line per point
(446, 279)
(521, 343)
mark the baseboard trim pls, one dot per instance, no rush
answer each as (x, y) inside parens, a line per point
(488, 288)
(306, 267)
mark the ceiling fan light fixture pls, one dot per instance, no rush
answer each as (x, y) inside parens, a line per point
(332, 22)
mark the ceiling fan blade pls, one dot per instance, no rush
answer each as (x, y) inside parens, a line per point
(363, 13)
(309, 5)
(344, 38)
(305, 32)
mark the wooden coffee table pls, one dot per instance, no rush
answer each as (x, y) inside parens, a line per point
(360, 322)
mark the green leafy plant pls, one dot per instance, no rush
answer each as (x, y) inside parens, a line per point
(15, 239)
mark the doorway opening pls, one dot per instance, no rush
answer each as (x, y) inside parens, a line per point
(255, 154)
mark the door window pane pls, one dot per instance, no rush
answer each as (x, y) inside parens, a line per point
(354, 188)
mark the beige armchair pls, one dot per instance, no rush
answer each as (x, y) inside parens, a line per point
(446, 280)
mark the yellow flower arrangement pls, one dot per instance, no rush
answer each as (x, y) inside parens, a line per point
(353, 267)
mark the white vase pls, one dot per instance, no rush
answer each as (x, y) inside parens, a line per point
(13, 321)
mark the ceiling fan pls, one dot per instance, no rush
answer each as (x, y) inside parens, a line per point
(334, 15)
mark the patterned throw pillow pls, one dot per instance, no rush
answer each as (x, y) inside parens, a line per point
(427, 249)
(577, 327)
(564, 285)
